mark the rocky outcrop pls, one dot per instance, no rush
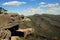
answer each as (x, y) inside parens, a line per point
(8, 22)
(26, 31)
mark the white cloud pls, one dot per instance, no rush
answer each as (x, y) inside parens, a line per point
(52, 5)
(31, 11)
(45, 9)
(14, 3)
(41, 3)
(55, 10)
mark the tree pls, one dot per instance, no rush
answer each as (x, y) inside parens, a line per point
(2, 10)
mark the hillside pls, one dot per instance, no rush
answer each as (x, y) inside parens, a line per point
(47, 27)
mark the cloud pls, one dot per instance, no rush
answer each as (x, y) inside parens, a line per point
(31, 11)
(41, 3)
(43, 9)
(13, 3)
(52, 5)
(55, 10)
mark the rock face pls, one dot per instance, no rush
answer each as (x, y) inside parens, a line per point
(26, 31)
(5, 34)
(9, 23)
(47, 27)
(15, 38)
(11, 19)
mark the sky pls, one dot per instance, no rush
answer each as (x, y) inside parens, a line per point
(31, 7)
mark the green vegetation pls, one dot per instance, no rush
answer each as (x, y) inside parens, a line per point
(46, 27)
(2, 10)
